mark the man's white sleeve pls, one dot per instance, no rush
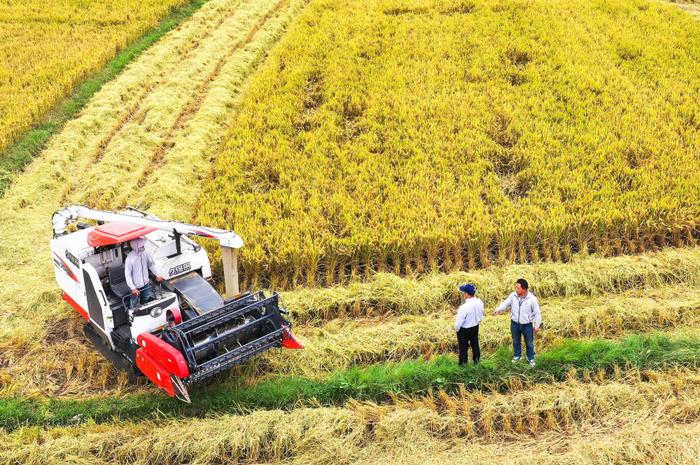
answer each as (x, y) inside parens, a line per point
(128, 270)
(461, 315)
(152, 265)
(505, 304)
(537, 315)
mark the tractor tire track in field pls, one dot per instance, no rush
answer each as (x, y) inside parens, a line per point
(133, 111)
(193, 107)
(165, 67)
(130, 150)
(189, 150)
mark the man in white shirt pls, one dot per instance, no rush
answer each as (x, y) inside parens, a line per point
(525, 320)
(136, 267)
(469, 315)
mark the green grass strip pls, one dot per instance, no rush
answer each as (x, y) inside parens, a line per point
(18, 154)
(373, 383)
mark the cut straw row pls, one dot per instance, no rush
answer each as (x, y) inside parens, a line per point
(344, 343)
(390, 294)
(593, 421)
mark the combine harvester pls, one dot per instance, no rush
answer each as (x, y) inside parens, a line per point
(189, 332)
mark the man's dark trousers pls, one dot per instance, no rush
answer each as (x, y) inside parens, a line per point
(468, 337)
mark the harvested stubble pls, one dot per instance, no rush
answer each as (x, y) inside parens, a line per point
(389, 294)
(339, 435)
(428, 135)
(48, 368)
(587, 360)
(212, 73)
(176, 100)
(343, 343)
(17, 155)
(563, 406)
(49, 47)
(691, 6)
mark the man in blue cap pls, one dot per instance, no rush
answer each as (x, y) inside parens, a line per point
(469, 315)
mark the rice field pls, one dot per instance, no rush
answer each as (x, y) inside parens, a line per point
(129, 114)
(330, 135)
(405, 136)
(47, 48)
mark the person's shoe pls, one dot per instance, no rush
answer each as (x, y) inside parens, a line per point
(515, 360)
(532, 364)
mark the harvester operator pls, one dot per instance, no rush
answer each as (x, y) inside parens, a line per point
(136, 267)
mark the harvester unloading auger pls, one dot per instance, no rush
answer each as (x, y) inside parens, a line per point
(189, 332)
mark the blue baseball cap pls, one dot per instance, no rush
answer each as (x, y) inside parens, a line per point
(468, 288)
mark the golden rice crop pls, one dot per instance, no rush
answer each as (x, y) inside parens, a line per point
(49, 47)
(386, 293)
(441, 135)
(564, 406)
(561, 412)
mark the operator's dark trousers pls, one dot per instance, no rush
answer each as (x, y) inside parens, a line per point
(146, 294)
(468, 337)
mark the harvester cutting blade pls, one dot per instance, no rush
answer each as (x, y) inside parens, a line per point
(180, 389)
(229, 335)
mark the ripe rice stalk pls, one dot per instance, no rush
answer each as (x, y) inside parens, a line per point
(588, 276)
(563, 405)
(363, 146)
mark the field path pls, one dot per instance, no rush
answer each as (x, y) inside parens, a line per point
(146, 139)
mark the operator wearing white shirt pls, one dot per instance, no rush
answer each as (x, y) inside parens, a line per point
(469, 315)
(136, 267)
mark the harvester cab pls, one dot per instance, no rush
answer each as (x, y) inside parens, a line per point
(187, 332)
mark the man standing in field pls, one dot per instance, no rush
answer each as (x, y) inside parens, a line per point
(469, 315)
(525, 319)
